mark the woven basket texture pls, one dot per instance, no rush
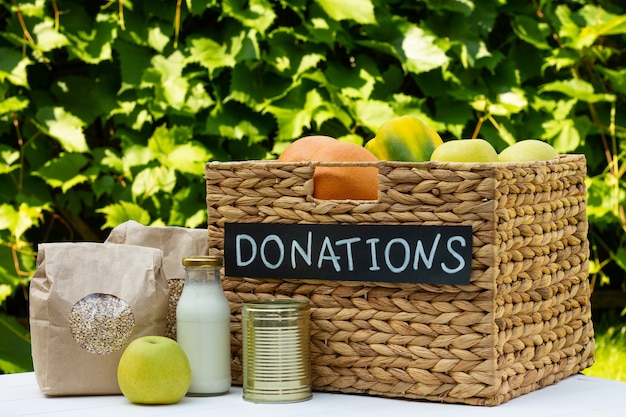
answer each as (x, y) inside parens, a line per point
(523, 322)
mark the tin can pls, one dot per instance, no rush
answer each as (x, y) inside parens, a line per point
(276, 351)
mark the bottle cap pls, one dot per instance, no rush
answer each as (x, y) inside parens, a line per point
(209, 260)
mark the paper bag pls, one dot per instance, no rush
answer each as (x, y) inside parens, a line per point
(176, 243)
(88, 301)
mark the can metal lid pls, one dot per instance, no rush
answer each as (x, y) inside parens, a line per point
(209, 260)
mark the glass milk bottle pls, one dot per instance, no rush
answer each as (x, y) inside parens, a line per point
(203, 326)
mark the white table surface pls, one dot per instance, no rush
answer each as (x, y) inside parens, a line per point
(577, 395)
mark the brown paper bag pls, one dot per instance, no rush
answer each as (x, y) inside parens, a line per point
(88, 301)
(176, 244)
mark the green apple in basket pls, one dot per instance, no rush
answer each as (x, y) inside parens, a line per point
(527, 150)
(154, 370)
(465, 150)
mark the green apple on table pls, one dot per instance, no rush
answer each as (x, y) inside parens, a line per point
(154, 370)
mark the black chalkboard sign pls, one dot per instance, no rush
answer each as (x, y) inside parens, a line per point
(377, 253)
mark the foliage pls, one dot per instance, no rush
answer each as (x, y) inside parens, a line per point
(15, 353)
(610, 354)
(108, 110)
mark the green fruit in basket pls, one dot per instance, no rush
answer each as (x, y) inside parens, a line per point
(404, 138)
(528, 150)
(154, 370)
(465, 150)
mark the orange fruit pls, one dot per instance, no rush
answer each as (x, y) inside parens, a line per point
(345, 183)
(301, 150)
(336, 183)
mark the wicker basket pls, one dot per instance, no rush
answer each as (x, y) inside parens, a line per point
(524, 321)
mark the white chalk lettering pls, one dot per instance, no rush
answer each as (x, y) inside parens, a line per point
(456, 255)
(238, 251)
(372, 242)
(348, 242)
(406, 260)
(420, 253)
(281, 249)
(328, 247)
(437, 255)
(306, 255)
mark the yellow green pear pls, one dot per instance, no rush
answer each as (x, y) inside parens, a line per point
(465, 150)
(527, 150)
